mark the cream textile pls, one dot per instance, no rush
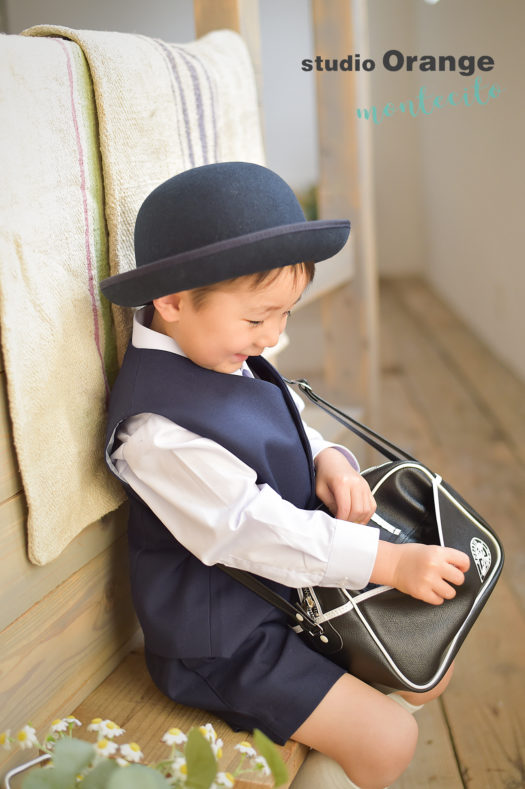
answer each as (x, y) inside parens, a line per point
(52, 250)
(70, 184)
(163, 108)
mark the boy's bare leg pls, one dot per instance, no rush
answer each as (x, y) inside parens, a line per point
(369, 735)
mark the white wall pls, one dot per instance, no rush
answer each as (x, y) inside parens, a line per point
(400, 221)
(171, 20)
(288, 92)
(450, 186)
(473, 174)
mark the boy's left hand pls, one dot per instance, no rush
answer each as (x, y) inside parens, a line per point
(344, 491)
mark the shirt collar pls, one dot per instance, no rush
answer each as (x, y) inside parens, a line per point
(144, 337)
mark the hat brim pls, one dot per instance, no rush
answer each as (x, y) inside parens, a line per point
(270, 248)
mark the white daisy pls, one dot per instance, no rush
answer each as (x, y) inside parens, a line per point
(217, 748)
(72, 721)
(5, 742)
(58, 725)
(131, 751)
(174, 737)
(105, 747)
(26, 737)
(179, 768)
(208, 732)
(246, 748)
(110, 729)
(262, 765)
(95, 724)
(225, 779)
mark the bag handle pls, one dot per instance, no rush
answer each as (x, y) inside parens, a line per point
(379, 442)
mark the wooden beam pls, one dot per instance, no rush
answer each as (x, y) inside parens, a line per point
(213, 15)
(59, 650)
(345, 186)
(239, 15)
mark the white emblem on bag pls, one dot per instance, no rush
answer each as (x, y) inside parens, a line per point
(481, 555)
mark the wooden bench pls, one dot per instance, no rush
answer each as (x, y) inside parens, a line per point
(129, 697)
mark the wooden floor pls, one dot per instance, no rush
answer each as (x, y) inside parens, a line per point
(449, 402)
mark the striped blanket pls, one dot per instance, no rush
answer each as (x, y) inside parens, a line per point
(92, 122)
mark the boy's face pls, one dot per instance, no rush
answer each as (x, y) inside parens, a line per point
(234, 323)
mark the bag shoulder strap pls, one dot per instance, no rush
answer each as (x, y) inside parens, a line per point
(379, 442)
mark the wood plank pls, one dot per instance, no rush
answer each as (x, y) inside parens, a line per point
(130, 698)
(345, 183)
(484, 702)
(467, 445)
(403, 420)
(21, 583)
(10, 481)
(495, 386)
(437, 393)
(434, 763)
(63, 647)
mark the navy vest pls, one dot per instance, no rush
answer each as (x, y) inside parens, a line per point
(185, 608)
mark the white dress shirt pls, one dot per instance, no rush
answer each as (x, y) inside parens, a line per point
(210, 501)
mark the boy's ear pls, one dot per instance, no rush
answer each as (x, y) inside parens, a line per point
(169, 306)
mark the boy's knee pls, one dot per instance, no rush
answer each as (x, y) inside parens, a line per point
(397, 750)
(392, 749)
(404, 745)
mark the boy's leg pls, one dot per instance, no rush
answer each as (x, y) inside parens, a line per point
(371, 737)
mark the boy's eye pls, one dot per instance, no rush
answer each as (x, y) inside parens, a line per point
(259, 323)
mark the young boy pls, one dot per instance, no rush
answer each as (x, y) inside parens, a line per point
(220, 469)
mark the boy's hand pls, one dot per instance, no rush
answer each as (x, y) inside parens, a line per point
(422, 571)
(344, 491)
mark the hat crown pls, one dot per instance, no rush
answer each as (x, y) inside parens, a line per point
(212, 203)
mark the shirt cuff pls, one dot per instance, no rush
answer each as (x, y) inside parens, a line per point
(318, 446)
(352, 556)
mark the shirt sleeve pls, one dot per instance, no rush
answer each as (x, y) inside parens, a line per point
(210, 501)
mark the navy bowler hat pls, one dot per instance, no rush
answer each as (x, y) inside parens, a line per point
(217, 222)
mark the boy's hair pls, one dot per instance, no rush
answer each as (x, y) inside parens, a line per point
(199, 295)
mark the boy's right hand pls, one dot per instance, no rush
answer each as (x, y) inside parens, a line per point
(422, 571)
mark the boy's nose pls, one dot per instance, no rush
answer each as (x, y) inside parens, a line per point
(270, 336)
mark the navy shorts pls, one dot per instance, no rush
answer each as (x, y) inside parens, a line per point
(273, 682)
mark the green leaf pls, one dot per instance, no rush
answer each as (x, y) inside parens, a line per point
(40, 778)
(70, 757)
(200, 760)
(99, 777)
(136, 776)
(267, 749)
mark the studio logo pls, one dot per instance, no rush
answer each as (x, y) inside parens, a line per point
(481, 555)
